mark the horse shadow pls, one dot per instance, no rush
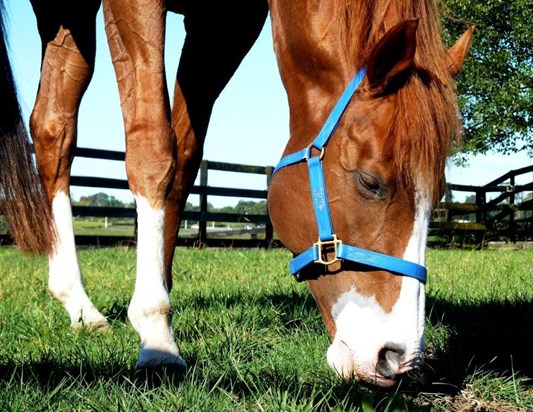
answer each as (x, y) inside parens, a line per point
(486, 337)
(489, 337)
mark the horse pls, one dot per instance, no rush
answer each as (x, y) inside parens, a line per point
(372, 117)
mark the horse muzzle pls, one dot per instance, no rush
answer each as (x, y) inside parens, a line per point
(390, 363)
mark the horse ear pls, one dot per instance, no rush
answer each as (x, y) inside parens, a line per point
(393, 56)
(457, 53)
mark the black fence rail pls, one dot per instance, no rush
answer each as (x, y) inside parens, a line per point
(508, 216)
(255, 230)
(257, 233)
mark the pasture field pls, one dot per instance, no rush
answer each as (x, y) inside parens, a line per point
(254, 340)
(126, 227)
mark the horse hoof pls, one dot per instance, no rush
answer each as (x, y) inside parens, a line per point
(100, 325)
(157, 375)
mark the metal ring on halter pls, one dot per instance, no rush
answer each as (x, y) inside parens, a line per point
(307, 155)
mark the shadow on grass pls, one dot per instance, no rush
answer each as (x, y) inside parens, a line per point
(116, 311)
(49, 373)
(489, 336)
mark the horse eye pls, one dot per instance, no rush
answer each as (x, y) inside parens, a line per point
(370, 184)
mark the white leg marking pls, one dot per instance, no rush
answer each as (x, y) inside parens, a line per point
(65, 280)
(363, 328)
(150, 310)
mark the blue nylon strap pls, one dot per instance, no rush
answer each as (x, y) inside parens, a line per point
(317, 182)
(389, 263)
(303, 259)
(365, 257)
(329, 126)
(320, 198)
(333, 119)
(291, 159)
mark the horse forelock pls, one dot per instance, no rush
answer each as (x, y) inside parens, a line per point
(425, 127)
(425, 123)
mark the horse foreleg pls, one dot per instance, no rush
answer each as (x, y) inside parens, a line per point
(218, 38)
(68, 64)
(136, 35)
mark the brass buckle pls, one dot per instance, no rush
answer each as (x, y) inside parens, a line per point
(324, 244)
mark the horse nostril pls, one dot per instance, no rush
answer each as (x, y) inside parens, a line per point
(384, 369)
(394, 353)
(389, 359)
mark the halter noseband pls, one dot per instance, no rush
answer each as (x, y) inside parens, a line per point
(327, 239)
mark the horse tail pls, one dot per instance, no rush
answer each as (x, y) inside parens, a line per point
(23, 201)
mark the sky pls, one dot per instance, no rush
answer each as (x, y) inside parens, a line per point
(249, 124)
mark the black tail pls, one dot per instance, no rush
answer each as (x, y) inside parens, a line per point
(22, 199)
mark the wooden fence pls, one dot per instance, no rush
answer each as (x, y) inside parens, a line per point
(506, 217)
(509, 216)
(259, 234)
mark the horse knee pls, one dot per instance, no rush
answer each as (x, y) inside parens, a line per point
(151, 167)
(45, 127)
(49, 133)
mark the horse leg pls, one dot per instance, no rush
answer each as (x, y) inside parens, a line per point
(68, 41)
(218, 38)
(136, 39)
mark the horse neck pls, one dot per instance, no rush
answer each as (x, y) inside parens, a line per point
(311, 64)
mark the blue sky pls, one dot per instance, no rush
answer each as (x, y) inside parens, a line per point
(249, 124)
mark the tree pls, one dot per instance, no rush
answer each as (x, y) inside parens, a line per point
(495, 89)
(3, 225)
(99, 199)
(189, 207)
(249, 207)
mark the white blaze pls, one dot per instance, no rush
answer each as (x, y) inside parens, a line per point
(363, 327)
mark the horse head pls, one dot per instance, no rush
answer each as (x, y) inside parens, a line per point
(383, 171)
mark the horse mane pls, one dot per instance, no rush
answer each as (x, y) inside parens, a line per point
(426, 121)
(23, 202)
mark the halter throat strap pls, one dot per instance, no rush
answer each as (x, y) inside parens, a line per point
(327, 239)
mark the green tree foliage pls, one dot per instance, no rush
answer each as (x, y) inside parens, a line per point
(189, 207)
(100, 199)
(3, 225)
(251, 208)
(495, 88)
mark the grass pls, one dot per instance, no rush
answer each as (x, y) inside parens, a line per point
(126, 227)
(97, 227)
(254, 340)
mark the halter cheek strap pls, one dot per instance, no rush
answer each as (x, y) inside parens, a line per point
(327, 239)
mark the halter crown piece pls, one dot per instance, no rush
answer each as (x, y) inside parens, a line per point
(327, 239)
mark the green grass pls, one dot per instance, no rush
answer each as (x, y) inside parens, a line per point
(97, 227)
(126, 227)
(254, 340)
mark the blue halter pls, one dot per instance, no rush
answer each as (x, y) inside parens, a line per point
(327, 239)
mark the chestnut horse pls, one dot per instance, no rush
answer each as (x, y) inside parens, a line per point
(373, 116)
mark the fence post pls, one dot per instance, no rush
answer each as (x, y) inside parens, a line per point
(202, 224)
(512, 226)
(135, 223)
(269, 229)
(481, 200)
